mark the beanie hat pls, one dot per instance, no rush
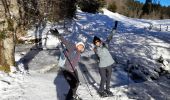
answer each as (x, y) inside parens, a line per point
(80, 43)
(95, 39)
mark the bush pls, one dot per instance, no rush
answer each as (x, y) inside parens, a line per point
(112, 7)
(90, 6)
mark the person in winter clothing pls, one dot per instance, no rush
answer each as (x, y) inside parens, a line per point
(69, 71)
(105, 66)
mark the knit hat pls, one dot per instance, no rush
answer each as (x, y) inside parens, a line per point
(80, 43)
(95, 39)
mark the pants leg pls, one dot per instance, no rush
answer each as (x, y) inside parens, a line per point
(108, 77)
(73, 82)
(102, 73)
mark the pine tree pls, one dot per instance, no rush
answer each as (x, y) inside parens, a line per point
(91, 6)
(112, 7)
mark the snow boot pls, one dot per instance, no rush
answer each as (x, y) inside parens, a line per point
(109, 93)
(76, 97)
(102, 94)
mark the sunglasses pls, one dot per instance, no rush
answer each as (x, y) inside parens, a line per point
(97, 41)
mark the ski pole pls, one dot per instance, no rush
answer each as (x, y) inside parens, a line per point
(87, 85)
(70, 63)
(56, 33)
(74, 71)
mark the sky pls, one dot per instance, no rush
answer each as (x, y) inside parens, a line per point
(162, 2)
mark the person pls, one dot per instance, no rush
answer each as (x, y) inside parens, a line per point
(105, 66)
(69, 71)
(72, 53)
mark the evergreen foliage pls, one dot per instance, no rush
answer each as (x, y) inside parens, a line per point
(90, 6)
(112, 7)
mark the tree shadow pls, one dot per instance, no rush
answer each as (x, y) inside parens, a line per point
(164, 36)
(34, 50)
(26, 59)
(158, 90)
(90, 25)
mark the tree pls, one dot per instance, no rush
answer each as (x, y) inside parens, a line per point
(90, 6)
(19, 15)
(67, 9)
(9, 23)
(112, 7)
(147, 8)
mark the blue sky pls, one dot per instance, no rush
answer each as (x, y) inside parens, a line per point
(163, 2)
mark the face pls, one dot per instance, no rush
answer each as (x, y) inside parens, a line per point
(97, 43)
(80, 48)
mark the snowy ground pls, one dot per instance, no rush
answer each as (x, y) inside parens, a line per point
(133, 42)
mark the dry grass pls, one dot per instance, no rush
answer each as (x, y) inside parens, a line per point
(5, 69)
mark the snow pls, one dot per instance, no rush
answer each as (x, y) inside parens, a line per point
(39, 77)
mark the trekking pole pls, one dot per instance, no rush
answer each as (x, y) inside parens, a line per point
(75, 73)
(62, 45)
(88, 88)
(56, 33)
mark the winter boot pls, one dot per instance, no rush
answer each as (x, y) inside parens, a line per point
(76, 97)
(109, 93)
(102, 94)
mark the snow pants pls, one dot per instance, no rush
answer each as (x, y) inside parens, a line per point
(72, 79)
(105, 74)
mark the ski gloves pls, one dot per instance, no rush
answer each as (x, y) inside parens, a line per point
(55, 32)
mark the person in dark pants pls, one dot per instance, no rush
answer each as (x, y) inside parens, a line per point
(69, 71)
(73, 83)
(105, 66)
(105, 74)
(72, 54)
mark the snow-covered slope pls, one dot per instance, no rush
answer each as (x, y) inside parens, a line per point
(132, 43)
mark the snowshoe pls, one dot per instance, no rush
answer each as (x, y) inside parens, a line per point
(102, 94)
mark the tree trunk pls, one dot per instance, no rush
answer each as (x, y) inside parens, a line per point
(7, 33)
(7, 49)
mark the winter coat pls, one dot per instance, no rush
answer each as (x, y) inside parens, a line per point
(72, 54)
(105, 58)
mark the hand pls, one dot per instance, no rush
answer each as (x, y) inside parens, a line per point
(95, 49)
(55, 32)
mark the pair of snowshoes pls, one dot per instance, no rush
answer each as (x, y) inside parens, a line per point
(105, 93)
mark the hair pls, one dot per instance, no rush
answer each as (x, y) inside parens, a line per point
(96, 39)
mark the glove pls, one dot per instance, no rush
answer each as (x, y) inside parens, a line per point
(55, 32)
